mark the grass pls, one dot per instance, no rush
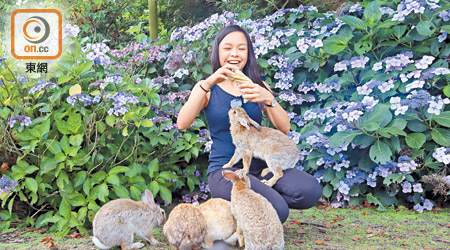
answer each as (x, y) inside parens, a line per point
(315, 228)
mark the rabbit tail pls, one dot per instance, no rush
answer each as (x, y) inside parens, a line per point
(99, 244)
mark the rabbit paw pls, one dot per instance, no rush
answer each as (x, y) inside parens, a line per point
(228, 165)
(268, 183)
(136, 245)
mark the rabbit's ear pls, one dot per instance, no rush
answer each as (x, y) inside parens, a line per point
(255, 124)
(147, 197)
(229, 175)
(244, 122)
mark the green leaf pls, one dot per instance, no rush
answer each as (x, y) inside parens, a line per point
(442, 119)
(153, 167)
(333, 48)
(31, 185)
(362, 47)
(353, 21)
(424, 28)
(373, 200)
(119, 169)
(372, 13)
(64, 143)
(121, 191)
(329, 174)
(415, 140)
(74, 122)
(207, 69)
(343, 137)
(380, 152)
(371, 126)
(76, 140)
(165, 194)
(76, 200)
(63, 79)
(79, 179)
(154, 187)
(103, 192)
(113, 179)
(446, 28)
(417, 126)
(53, 146)
(327, 191)
(393, 178)
(263, 62)
(110, 120)
(441, 136)
(398, 123)
(167, 175)
(399, 31)
(64, 208)
(135, 193)
(146, 123)
(190, 184)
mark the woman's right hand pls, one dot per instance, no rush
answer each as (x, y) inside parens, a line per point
(220, 75)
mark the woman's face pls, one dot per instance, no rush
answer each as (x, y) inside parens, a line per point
(233, 49)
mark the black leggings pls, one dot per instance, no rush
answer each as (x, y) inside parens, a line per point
(296, 189)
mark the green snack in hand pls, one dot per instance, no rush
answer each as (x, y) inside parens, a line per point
(239, 77)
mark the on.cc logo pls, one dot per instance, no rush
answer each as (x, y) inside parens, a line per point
(36, 34)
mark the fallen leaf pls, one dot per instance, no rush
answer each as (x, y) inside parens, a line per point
(372, 232)
(338, 218)
(329, 208)
(298, 243)
(51, 245)
(328, 224)
(47, 240)
(382, 233)
(321, 207)
(313, 216)
(319, 242)
(364, 213)
(300, 231)
(4, 167)
(75, 235)
(356, 239)
(296, 222)
(290, 227)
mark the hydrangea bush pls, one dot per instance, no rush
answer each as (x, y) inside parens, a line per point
(100, 126)
(365, 88)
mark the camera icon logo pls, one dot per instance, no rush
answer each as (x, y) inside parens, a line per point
(36, 34)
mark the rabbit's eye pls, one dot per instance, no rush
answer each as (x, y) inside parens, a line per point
(234, 112)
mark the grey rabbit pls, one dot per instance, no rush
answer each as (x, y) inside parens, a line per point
(119, 220)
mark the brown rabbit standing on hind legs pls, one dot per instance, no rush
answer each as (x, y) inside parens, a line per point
(252, 140)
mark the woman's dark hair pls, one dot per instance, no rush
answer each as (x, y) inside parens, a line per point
(251, 68)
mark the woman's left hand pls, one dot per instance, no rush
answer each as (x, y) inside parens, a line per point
(254, 92)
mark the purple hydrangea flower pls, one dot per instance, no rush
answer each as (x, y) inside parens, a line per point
(41, 85)
(23, 120)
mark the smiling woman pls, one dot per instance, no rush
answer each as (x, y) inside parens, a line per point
(232, 51)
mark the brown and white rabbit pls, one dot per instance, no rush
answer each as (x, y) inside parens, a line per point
(118, 220)
(220, 222)
(268, 144)
(258, 223)
(185, 228)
